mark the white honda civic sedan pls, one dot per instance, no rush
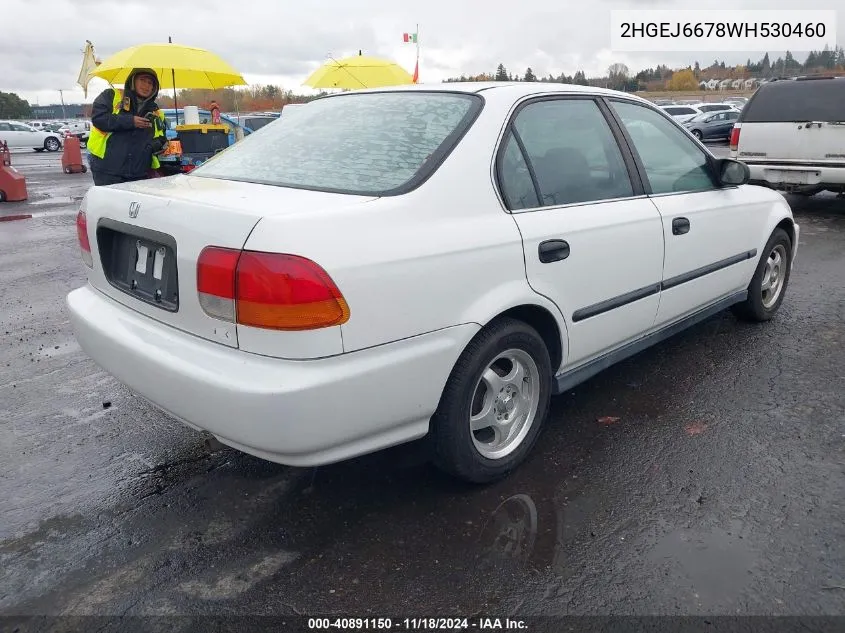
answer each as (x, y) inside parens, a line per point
(421, 261)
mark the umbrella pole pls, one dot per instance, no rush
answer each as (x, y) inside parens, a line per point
(173, 77)
(175, 103)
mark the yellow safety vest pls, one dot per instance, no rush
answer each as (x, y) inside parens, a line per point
(97, 140)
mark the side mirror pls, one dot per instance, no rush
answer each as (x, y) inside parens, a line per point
(732, 172)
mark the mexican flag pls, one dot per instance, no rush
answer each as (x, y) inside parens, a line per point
(409, 38)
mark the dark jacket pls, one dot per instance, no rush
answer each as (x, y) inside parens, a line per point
(129, 149)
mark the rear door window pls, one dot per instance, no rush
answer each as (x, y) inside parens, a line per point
(572, 153)
(793, 101)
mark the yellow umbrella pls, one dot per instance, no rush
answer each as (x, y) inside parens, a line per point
(354, 73)
(175, 65)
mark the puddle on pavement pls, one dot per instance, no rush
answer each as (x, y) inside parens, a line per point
(63, 349)
(718, 564)
(386, 522)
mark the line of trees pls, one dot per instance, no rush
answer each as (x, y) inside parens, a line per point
(618, 77)
(502, 74)
(251, 99)
(663, 77)
(13, 107)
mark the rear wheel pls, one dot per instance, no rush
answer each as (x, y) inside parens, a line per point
(494, 403)
(697, 134)
(768, 285)
(2, 196)
(52, 144)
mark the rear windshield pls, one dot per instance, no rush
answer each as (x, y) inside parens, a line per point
(795, 101)
(367, 144)
(680, 111)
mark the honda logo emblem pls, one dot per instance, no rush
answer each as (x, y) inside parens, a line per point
(134, 208)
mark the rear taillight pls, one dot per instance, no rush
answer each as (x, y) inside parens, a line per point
(735, 137)
(268, 290)
(82, 235)
(216, 282)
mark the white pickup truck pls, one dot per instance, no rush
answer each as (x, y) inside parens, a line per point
(79, 129)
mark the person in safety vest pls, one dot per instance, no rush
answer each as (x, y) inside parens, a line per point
(127, 130)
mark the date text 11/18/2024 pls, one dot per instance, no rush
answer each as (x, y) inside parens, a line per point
(417, 624)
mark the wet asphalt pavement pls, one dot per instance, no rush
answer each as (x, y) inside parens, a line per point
(702, 476)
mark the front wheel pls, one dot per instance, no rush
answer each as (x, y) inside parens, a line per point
(768, 285)
(494, 404)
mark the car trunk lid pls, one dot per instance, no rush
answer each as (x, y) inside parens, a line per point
(146, 238)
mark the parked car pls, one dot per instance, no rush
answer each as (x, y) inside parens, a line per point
(79, 129)
(713, 126)
(21, 135)
(682, 113)
(315, 293)
(739, 102)
(255, 121)
(716, 107)
(792, 135)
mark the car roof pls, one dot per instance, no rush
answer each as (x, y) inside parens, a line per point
(502, 89)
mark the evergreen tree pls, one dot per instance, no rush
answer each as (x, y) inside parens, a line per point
(13, 107)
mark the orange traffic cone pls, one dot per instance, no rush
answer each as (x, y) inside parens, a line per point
(12, 182)
(72, 156)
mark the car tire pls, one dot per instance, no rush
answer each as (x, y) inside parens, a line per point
(697, 134)
(508, 349)
(768, 285)
(2, 196)
(52, 144)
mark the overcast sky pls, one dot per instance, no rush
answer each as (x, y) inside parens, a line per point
(282, 41)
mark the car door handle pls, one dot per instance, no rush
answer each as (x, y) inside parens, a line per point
(680, 226)
(553, 251)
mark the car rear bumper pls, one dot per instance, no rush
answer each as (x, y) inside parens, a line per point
(300, 413)
(796, 176)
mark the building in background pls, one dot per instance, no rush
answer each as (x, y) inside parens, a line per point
(58, 111)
